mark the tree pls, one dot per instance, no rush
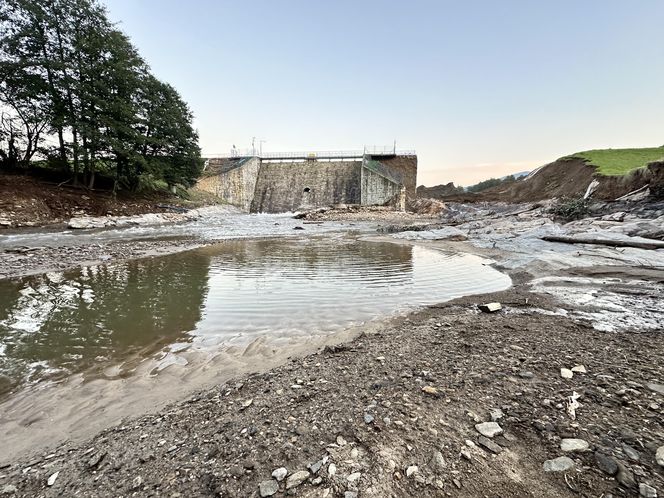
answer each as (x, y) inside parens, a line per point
(68, 72)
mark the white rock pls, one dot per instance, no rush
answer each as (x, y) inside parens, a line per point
(489, 429)
(331, 469)
(354, 477)
(659, 456)
(280, 473)
(647, 491)
(411, 470)
(268, 488)
(52, 478)
(579, 369)
(297, 478)
(571, 445)
(566, 373)
(559, 464)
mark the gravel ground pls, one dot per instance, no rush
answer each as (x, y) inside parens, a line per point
(396, 413)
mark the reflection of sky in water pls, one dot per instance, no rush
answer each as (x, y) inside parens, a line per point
(229, 293)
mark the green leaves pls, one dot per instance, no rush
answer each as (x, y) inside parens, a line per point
(67, 73)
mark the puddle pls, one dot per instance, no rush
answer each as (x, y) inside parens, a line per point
(108, 318)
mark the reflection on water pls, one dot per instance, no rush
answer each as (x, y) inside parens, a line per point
(56, 324)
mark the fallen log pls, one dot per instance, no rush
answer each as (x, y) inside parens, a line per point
(640, 244)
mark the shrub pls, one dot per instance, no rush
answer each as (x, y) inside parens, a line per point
(571, 209)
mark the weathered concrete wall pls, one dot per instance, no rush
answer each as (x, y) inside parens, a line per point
(288, 186)
(402, 169)
(234, 180)
(378, 190)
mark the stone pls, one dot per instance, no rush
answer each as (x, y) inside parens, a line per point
(559, 464)
(658, 388)
(317, 481)
(297, 478)
(579, 369)
(268, 488)
(350, 494)
(625, 477)
(315, 467)
(489, 307)
(566, 373)
(631, 453)
(606, 464)
(437, 461)
(430, 390)
(368, 418)
(489, 445)
(246, 404)
(354, 477)
(341, 441)
(8, 489)
(280, 473)
(496, 414)
(647, 491)
(413, 469)
(489, 429)
(331, 469)
(52, 478)
(659, 456)
(572, 445)
(136, 483)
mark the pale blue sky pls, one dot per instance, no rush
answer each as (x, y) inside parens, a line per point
(478, 88)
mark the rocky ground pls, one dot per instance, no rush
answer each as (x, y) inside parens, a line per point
(445, 402)
(30, 260)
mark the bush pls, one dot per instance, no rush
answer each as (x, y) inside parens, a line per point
(571, 209)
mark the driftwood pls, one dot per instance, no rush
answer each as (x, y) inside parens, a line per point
(640, 244)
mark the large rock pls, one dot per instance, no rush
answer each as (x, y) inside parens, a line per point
(489, 429)
(571, 445)
(268, 488)
(297, 478)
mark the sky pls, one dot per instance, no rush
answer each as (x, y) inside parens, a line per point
(479, 89)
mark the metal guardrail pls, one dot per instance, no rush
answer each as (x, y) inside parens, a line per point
(328, 154)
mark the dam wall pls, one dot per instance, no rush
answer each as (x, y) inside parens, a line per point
(281, 182)
(289, 186)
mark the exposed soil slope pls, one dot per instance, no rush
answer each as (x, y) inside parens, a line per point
(28, 201)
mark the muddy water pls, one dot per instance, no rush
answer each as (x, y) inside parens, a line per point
(228, 294)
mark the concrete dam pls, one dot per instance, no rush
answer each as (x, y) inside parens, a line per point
(281, 182)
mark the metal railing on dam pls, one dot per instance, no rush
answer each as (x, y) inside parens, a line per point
(313, 155)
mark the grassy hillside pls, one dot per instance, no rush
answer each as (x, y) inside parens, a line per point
(616, 162)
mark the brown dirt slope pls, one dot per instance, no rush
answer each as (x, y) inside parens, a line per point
(570, 178)
(28, 201)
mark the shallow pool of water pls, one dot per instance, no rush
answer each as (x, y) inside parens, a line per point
(56, 324)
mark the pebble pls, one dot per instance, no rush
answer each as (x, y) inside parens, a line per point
(136, 483)
(8, 489)
(489, 429)
(268, 488)
(315, 467)
(579, 369)
(566, 373)
(354, 477)
(631, 453)
(280, 473)
(437, 461)
(430, 390)
(571, 445)
(496, 414)
(659, 456)
(413, 469)
(490, 445)
(559, 464)
(297, 478)
(658, 388)
(341, 441)
(606, 464)
(647, 491)
(368, 418)
(350, 494)
(331, 469)
(52, 478)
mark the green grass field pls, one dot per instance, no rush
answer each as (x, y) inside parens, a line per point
(617, 162)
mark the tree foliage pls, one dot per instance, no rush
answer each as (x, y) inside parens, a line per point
(75, 92)
(491, 182)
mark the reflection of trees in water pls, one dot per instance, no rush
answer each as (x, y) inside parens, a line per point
(300, 254)
(69, 321)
